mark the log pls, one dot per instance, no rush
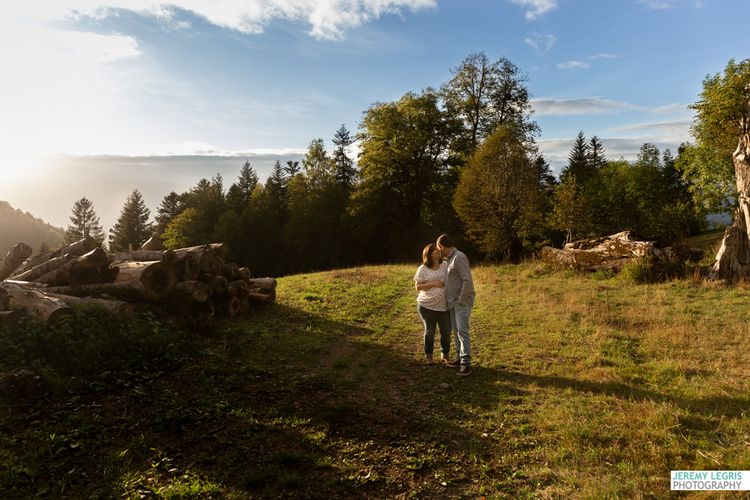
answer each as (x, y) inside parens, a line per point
(263, 283)
(245, 273)
(9, 319)
(14, 258)
(190, 291)
(188, 267)
(119, 309)
(36, 304)
(241, 287)
(226, 305)
(44, 268)
(92, 267)
(132, 291)
(167, 256)
(153, 243)
(156, 276)
(210, 259)
(232, 271)
(76, 248)
(216, 282)
(262, 296)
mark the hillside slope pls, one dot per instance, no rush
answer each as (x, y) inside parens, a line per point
(18, 226)
(581, 388)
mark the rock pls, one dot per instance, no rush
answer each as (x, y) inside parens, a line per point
(444, 385)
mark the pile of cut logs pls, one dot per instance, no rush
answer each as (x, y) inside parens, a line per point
(195, 282)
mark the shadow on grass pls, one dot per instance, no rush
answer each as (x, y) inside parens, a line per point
(287, 403)
(282, 403)
(714, 406)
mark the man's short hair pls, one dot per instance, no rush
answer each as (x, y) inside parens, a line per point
(445, 241)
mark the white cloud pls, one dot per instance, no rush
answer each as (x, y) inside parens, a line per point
(540, 43)
(602, 55)
(573, 65)
(659, 4)
(668, 131)
(537, 8)
(328, 19)
(547, 106)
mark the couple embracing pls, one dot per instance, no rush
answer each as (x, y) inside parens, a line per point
(446, 298)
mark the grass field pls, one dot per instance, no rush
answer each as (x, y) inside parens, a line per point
(584, 386)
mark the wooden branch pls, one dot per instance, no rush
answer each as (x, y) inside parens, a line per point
(15, 257)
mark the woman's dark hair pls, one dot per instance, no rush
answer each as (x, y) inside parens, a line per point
(427, 254)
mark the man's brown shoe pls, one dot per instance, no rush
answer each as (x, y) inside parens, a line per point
(453, 364)
(464, 371)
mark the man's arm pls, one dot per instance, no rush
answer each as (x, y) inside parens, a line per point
(467, 283)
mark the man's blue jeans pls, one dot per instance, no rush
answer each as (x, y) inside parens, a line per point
(460, 314)
(431, 319)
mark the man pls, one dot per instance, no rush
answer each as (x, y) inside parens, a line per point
(459, 290)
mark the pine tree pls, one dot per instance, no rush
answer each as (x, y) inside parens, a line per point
(292, 168)
(132, 227)
(84, 223)
(239, 193)
(345, 171)
(578, 161)
(170, 207)
(596, 156)
(276, 189)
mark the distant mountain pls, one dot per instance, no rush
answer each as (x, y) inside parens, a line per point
(17, 226)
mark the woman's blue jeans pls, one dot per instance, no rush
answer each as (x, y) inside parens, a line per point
(431, 320)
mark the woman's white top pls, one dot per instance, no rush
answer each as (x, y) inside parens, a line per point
(434, 298)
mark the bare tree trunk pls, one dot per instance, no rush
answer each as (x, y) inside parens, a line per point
(13, 259)
(733, 258)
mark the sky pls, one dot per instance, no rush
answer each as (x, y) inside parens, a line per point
(101, 97)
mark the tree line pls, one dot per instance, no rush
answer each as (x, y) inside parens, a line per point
(461, 159)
